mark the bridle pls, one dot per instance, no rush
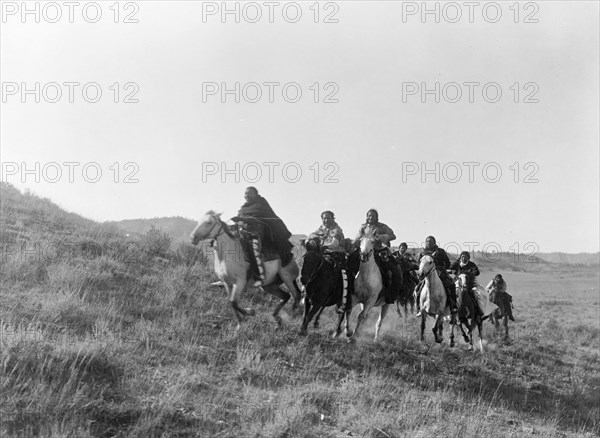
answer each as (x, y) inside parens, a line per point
(430, 271)
(222, 229)
(364, 257)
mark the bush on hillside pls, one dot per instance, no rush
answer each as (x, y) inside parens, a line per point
(156, 243)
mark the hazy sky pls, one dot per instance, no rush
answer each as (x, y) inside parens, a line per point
(372, 134)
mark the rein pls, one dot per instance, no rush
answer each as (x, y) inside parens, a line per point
(430, 271)
(365, 257)
(314, 273)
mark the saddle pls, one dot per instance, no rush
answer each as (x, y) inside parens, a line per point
(268, 252)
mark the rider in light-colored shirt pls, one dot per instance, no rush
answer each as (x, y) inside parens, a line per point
(329, 234)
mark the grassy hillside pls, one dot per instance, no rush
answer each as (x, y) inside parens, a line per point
(108, 336)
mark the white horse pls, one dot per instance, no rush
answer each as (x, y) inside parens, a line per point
(233, 270)
(432, 299)
(367, 288)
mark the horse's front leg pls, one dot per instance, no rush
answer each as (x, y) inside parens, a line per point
(239, 311)
(506, 337)
(382, 313)
(423, 318)
(282, 295)
(338, 329)
(305, 320)
(361, 317)
(293, 288)
(347, 329)
(317, 316)
(480, 331)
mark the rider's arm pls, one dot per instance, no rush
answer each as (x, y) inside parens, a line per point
(390, 234)
(474, 269)
(444, 259)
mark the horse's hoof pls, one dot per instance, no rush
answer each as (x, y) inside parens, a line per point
(302, 332)
(470, 348)
(452, 343)
(316, 325)
(466, 338)
(335, 334)
(438, 340)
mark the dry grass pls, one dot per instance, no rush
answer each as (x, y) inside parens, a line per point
(122, 343)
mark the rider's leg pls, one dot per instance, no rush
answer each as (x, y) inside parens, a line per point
(260, 267)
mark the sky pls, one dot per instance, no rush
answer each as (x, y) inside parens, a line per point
(476, 124)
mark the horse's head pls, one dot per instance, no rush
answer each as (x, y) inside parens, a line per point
(465, 282)
(460, 281)
(366, 248)
(311, 245)
(311, 263)
(208, 227)
(426, 266)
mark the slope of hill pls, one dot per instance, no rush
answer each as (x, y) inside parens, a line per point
(114, 341)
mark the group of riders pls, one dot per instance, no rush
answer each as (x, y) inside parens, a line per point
(267, 237)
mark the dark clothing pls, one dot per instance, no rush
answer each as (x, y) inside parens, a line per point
(470, 268)
(268, 225)
(442, 262)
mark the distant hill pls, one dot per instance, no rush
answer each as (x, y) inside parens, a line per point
(179, 228)
(583, 258)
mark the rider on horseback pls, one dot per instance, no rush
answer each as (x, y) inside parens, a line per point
(329, 239)
(464, 265)
(406, 260)
(329, 235)
(382, 235)
(260, 225)
(498, 286)
(442, 263)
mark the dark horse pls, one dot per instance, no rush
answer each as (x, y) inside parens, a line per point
(503, 301)
(469, 313)
(324, 286)
(409, 283)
